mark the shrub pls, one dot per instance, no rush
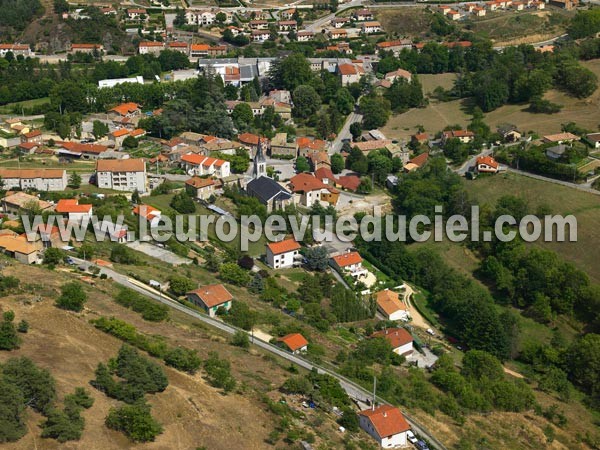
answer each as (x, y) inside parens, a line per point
(240, 339)
(72, 297)
(135, 421)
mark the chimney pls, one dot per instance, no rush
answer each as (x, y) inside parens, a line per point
(385, 414)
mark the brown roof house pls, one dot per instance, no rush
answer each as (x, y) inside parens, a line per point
(211, 298)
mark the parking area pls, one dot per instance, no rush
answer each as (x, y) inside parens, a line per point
(158, 252)
(422, 361)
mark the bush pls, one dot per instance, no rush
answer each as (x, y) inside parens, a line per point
(23, 326)
(218, 372)
(180, 285)
(36, 385)
(184, 359)
(72, 297)
(135, 421)
(541, 106)
(123, 255)
(149, 309)
(234, 274)
(240, 339)
(183, 203)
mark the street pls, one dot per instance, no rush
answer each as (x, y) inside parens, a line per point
(344, 133)
(352, 389)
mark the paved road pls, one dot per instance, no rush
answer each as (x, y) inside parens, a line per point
(344, 133)
(352, 389)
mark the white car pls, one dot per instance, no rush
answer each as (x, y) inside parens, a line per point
(411, 437)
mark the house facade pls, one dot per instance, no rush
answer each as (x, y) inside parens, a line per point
(386, 424)
(121, 174)
(211, 298)
(38, 179)
(283, 254)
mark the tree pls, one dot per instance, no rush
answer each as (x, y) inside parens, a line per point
(130, 142)
(376, 111)
(584, 363)
(218, 372)
(180, 285)
(344, 102)
(183, 359)
(75, 180)
(482, 366)
(291, 72)
(53, 256)
(183, 203)
(135, 421)
(9, 340)
(221, 17)
(12, 405)
(72, 297)
(99, 129)
(122, 255)
(242, 116)
(337, 163)
(317, 258)
(240, 339)
(349, 420)
(306, 101)
(355, 130)
(37, 385)
(302, 164)
(234, 274)
(23, 326)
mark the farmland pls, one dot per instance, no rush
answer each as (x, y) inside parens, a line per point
(409, 22)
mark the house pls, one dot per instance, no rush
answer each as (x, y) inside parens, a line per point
(295, 342)
(118, 136)
(338, 34)
(86, 48)
(399, 338)
(283, 254)
(34, 136)
(509, 133)
(400, 73)
(137, 14)
(519, 6)
(369, 146)
(479, 12)
(28, 148)
(177, 46)
(417, 162)
(487, 164)
(260, 35)
(559, 138)
(565, 4)
(249, 140)
(195, 164)
(339, 22)
(151, 214)
(71, 209)
(15, 49)
(593, 139)
(200, 188)
(211, 298)
(555, 153)
(287, 14)
(150, 47)
(348, 182)
(420, 138)
(281, 147)
(306, 146)
(349, 263)
(269, 193)
(319, 160)
(394, 46)
(18, 248)
(20, 202)
(199, 50)
(305, 36)
(464, 136)
(361, 15)
(121, 174)
(386, 425)
(453, 15)
(258, 25)
(390, 305)
(285, 26)
(370, 27)
(349, 73)
(42, 180)
(114, 231)
(79, 150)
(125, 110)
(309, 190)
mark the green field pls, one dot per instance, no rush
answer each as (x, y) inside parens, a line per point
(11, 108)
(560, 200)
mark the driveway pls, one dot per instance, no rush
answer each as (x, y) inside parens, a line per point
(159, 253)
(422, 361)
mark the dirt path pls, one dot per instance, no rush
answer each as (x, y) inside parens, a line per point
(512, 372)
(417, 318)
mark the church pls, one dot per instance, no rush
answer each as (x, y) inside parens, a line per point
(268, 191)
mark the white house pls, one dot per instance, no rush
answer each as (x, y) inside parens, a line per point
(295, 342)
(283, 254)
(211, 298)
(73, 210)
(390, 305)
(386, 424)
(153, 47)
(487, 164)
(370, 27)
(38, 179)
(464, 136)
(201, 188)
(260, 35)
(309, 190)
(399, 338)
(350, 263)
(121, 174)
(195, 164)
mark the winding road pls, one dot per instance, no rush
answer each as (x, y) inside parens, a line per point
(352, 389)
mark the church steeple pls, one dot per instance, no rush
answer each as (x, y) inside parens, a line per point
(260, 163)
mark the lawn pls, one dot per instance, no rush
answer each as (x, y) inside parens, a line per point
(11, 108)
(47, 163)
(437, 115)
(408, 22)
(560, 200)
(520, 27)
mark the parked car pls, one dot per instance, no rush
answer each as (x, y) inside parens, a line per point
(421, 445)
(411, 437)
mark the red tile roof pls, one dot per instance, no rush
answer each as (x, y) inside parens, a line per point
(396, 336)
(71, 205)
(349, 182)
(389, 301)
(294, 341)
(348, 259)
(248, 138)
(199, 183)
(288, 245)
(387, 420)
(32, 134)
(347, 69)
(212, 295)
(120, 165)
(305, 182)
(419, 160)
(146, 211)
(125, 108)
(82, 148)
(488, 161)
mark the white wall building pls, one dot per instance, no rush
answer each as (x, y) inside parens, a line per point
(121, 174)
(386, 425)
(38, 179)
(283, 254)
